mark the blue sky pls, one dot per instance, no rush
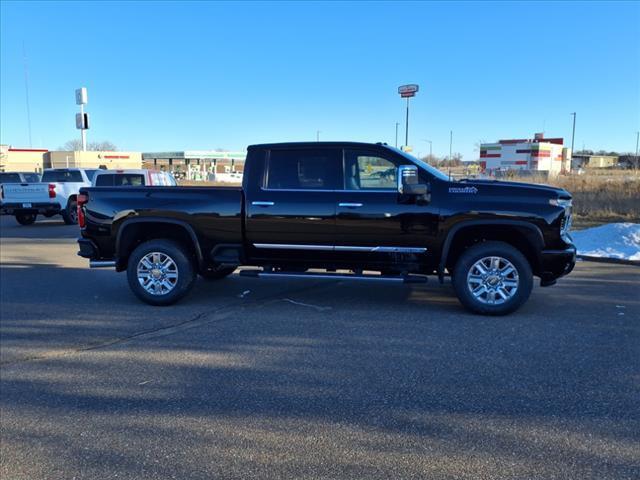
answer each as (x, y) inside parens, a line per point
(204, 75)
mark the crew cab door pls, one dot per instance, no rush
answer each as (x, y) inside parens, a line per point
(372, 217)
(291, 209)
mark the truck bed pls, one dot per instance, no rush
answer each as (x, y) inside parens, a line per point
(213, 214)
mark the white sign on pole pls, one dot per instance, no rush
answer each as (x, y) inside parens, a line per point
(408, 90)
(81, 96)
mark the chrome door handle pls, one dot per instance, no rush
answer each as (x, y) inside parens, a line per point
(350, 205)
(263, 204)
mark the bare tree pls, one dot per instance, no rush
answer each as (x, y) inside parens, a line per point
(76, 146)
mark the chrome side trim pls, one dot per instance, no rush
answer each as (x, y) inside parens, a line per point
(102, 264)
(286, 246)
(340, 248)
(350, 205)
(263, 204)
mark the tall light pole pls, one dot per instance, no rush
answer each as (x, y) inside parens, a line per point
(397, 123)
(573, 133)
(317, 135)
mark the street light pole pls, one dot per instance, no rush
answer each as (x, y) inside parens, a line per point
(397, 123)
(317, 135)
(573, 133)
(450, 151)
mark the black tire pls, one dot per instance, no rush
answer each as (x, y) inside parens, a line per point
(186, 273)
(26, 218)
(216, 273)
(70, 214)
(489, 249)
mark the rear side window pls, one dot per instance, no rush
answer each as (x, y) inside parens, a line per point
(305, 169)
(62, 176)
(120, 180)
(10, 178)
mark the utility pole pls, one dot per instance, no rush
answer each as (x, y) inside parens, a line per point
(573, 133)
(397, 123)
(637, 139)
(450, 151)
(317, 135)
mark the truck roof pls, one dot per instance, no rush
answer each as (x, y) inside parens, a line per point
(316, 144)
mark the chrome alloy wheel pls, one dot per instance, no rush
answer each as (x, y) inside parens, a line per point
(157, 273)
(493, 280)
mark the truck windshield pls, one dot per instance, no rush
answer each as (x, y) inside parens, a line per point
(423, 165)
(61, 176)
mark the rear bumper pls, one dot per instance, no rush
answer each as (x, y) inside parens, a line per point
(16, 207)
(555, 264)
(88, 249)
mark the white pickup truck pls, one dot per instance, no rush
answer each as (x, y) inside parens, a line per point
(54, 195)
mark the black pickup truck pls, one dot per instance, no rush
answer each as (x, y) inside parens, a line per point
(340, 210)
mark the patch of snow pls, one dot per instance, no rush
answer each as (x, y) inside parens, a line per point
(613, 240)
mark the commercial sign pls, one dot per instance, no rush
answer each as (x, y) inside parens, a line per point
(407, 91)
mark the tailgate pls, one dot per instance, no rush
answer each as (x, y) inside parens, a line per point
(26, 192)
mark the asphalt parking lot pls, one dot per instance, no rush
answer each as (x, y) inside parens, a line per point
(250, 378)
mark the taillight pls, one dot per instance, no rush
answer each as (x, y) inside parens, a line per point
(81, 200)
(52, 190)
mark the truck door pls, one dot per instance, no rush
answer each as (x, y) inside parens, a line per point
(372, 217)
(291, 210)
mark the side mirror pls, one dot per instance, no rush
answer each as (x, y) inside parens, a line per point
(408, 181)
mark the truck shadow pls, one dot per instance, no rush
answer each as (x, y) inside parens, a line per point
(366, 381)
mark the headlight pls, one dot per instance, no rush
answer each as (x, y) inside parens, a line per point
(565, 223)
(560, 202)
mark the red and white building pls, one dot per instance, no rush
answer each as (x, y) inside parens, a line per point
(539, 154)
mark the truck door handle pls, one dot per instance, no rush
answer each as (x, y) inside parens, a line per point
(263, 204)
(350, 205)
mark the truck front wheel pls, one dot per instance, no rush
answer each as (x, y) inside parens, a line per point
(160, 272)
(492, 278)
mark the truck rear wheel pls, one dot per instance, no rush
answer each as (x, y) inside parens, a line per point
(70, 214)
(492, 278)
(160, 272)
(26, 218)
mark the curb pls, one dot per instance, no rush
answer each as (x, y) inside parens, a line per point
(620, 261)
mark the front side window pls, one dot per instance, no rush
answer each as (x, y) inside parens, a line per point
(367, 171)
(305, 169)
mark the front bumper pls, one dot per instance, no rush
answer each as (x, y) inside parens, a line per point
(14, 207)
(555, 264)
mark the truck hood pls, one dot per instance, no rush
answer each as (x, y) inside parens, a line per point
(518, 188)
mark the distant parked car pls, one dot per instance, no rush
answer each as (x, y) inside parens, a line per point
(19, 177)
(133, 178)
(53, 194)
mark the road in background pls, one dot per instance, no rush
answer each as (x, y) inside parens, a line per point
(249, 378)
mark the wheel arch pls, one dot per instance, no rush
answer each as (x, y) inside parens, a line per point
(134, 231)
(524, 236)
